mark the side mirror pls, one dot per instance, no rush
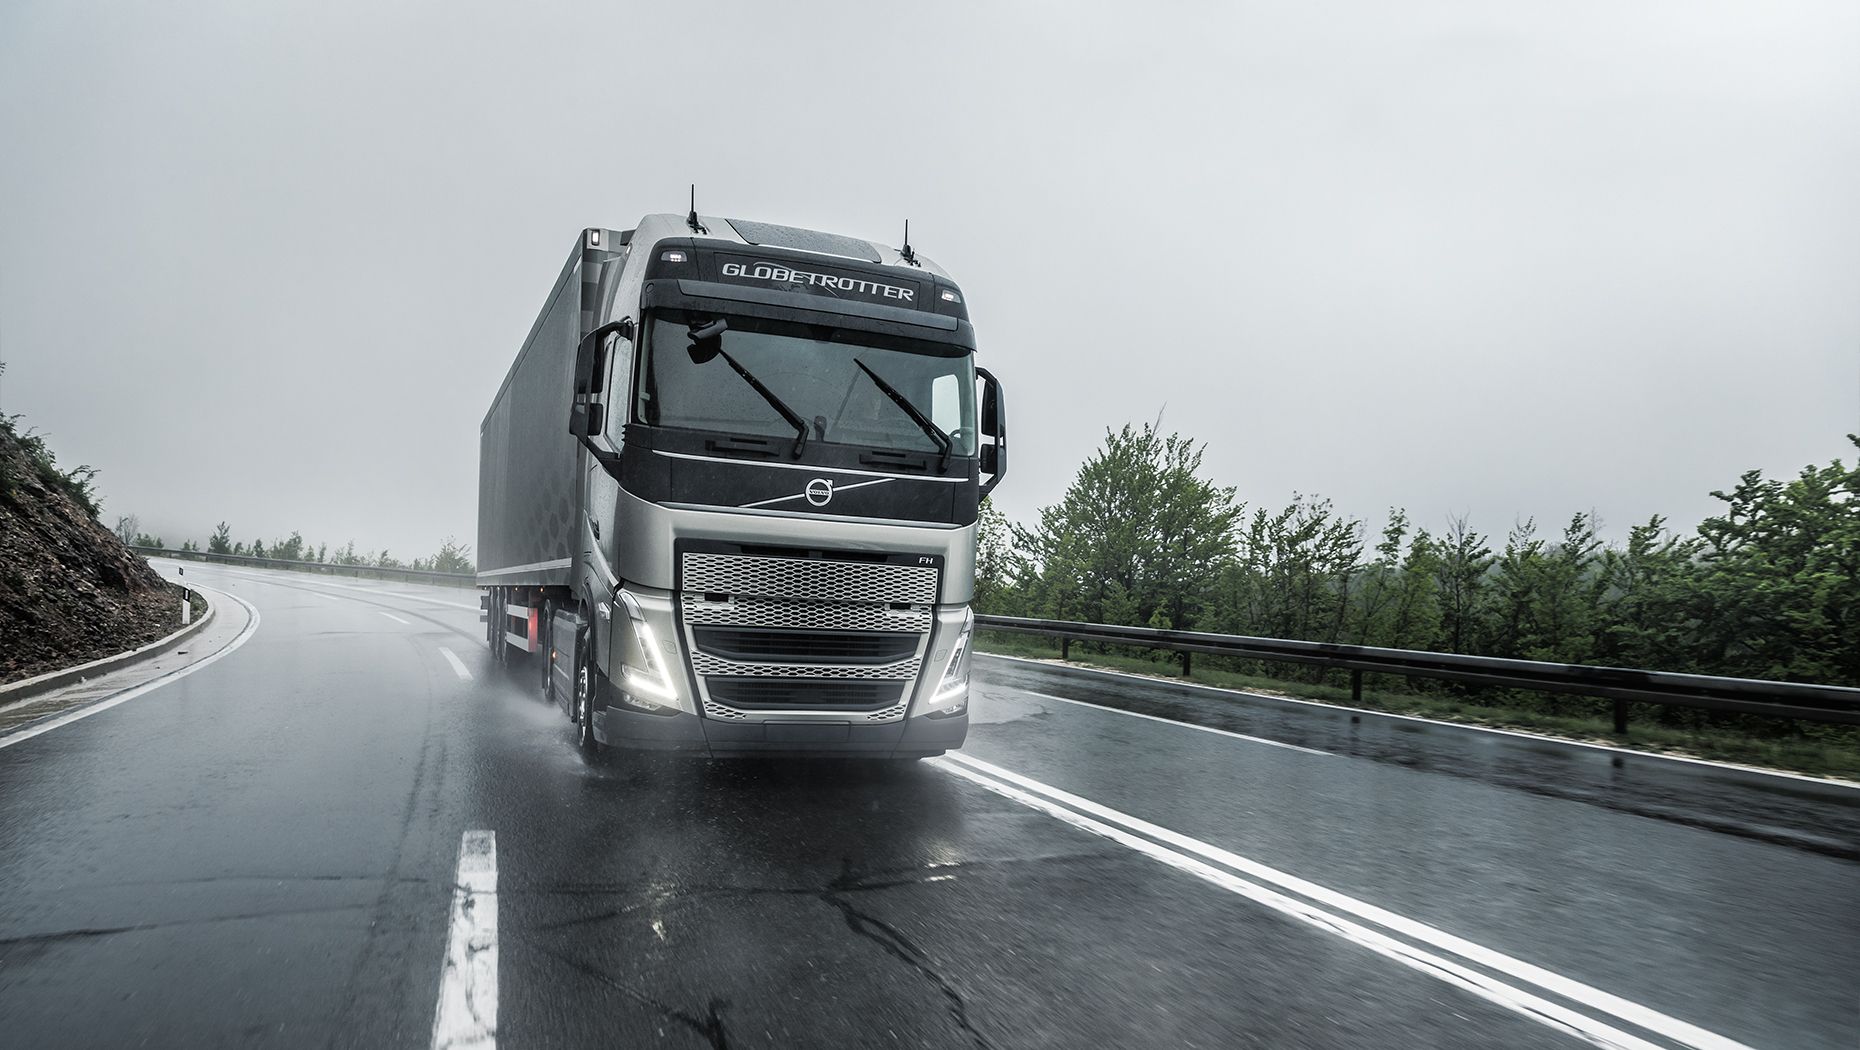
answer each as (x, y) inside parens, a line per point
(993, 459)
(591, 355)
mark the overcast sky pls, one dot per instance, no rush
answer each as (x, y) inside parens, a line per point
(268, 265)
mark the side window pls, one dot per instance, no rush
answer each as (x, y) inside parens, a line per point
(946, 403)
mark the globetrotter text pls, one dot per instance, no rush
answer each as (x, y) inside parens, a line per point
(786, 275)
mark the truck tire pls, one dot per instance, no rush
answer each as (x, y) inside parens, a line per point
(545, 641)
(586, 676)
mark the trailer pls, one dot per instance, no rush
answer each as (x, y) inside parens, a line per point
(728, 493)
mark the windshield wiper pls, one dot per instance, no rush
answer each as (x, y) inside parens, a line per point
(707, 342)
(794, 419)
(943, 442)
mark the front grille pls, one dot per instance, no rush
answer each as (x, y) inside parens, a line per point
(809, 579)
(811, 694)
(749, 645)
(767, 633)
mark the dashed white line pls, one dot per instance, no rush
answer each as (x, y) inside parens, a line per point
(467, 1013)
(458, 666)
(1184, 725)
(330, 597)
(396, 619)
(1355, 920)
(130, 694)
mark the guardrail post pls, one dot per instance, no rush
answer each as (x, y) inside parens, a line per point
(1185, 656)
(1065, 648)
(1356, 687)
(1621, 716)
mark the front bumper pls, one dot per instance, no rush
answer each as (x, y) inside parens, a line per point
(622, 727)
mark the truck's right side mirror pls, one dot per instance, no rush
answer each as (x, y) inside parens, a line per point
(993, 457)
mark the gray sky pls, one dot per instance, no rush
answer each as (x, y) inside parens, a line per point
(269, 264)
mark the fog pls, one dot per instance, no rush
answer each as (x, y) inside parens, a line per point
(268, 264)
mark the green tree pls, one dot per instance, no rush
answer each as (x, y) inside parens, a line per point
(1780, 577)
(1135, 537)
(452, 557)
(221, 541)
(996, 571)
(291, 549)
(1462, 558)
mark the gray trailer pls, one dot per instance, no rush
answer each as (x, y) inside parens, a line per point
(728, 493)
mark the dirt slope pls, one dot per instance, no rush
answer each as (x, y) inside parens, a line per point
(69, 590)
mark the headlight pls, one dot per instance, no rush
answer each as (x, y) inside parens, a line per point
(952, 692)
(646, 681)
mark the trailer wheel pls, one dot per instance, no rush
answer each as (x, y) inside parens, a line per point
(545, 640)
(585, 673)
(495, 625)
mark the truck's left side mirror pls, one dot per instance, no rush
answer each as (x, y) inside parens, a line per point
(591, 355)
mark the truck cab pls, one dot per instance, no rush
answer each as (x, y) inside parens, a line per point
(759, 533)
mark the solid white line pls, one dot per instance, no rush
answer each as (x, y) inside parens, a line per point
(1182, 725)
(1485, 987)
(467, 1013)
(1538, 737)
(130, 694)
(1594, 998)
(458, 666)
(396, 619)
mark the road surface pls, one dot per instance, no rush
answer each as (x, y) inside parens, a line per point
(350, 830)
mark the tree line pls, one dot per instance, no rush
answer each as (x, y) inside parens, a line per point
(1767, 588)
(452, 555)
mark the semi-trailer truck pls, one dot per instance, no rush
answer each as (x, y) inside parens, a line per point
(728, 493)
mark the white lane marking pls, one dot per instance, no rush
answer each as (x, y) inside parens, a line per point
(396, 619)
(1099, 819)
(467, 1011)
(458, 666)
(155, 683)
(1470, 727)
(331, 597)
(1183, 725)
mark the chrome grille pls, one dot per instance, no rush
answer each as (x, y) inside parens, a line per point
(704, 663)
(809, 579)
(740, 611)
(803, 634)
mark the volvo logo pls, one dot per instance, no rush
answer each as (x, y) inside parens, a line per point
(819, 492)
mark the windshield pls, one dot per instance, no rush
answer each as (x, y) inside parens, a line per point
(815, 372)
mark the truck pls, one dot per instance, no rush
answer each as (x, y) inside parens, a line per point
(728, 493)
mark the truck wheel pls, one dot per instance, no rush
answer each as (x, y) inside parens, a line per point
(545, 640)
(584, 694)
(495, 623)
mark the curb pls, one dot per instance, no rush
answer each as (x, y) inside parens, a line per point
(45, 683)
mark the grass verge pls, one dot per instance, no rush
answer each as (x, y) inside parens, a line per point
(1798, 754)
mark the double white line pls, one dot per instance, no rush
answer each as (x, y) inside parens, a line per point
(1542, 996)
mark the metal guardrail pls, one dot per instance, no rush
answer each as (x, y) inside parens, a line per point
(1815, 703)
(323, 568)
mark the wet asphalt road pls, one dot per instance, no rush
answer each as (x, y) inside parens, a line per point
(263, 853)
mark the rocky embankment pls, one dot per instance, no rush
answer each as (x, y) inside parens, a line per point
(70, 591)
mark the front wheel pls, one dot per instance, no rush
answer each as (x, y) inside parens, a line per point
(585, 682)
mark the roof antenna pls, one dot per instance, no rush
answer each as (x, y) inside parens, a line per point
(691, 220)
(905, 252)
